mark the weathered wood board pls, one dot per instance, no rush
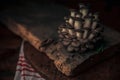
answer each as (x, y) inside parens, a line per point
(36, 23)
(47, 69)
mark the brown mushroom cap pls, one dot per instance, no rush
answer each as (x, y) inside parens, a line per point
(65, 43)
(75, 43)
(70, 48)
(78, 19)
(80, 30)
(78, 14)
(89, 17)
(69, 26)
(81, 5)
(61, 36)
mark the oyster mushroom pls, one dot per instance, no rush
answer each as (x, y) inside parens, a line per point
(94, 24)
(61, 36)
(67, 36)
(71, 31)
(75, 43)
(96, 16)
(78, 15)
(81, 5)
(99, 29)
(81, 30)
(65, 43)
(79, 34)
(66, 19)
(62, 30)
(87, 22)
(84, 11)
(72, 12)
(78, 23)
(71, 21)
(86, 33)
(70, 48)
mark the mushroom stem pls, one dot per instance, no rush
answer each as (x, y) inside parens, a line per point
(99, 29)
(70, 31)
(75, 43)
(71, 21)
(91, 36)
(66, 43)
(84, 12)
(87, 23)
(78, 15)
(79, 35)
(70, 48)
(77, 24)
(64, 30)
(81, 5)
(85, 34)
(61, 36)
(96, 16)
(73, 12)
(94, 24)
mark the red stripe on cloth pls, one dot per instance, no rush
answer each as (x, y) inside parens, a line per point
(31, 75)
(21, 57)
(22, 61)
(25, 69)
(24, 64)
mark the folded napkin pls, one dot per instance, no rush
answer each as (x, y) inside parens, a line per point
(24, 70)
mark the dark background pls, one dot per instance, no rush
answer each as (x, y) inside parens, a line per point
(109, 9)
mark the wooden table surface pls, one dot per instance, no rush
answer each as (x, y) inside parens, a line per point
(10, 44)
(9, 49)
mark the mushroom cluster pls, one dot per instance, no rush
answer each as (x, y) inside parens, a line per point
(81, 30)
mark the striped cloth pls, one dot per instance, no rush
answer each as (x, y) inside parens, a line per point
(24, 71)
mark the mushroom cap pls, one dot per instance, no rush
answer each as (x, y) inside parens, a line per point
(78, 19)
(97, 20)
(70, 48)
(66, 42)
(89, 17)
(73, 10)
(72, 37)
(62, 26)
(96, 13)
(82, 5)
(78, 13)
(79, 30)
(66, 18)
(69, 26)
(75, 43)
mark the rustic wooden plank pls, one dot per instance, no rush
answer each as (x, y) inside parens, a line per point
(39, 22)
(92, 67)
(34, 23)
